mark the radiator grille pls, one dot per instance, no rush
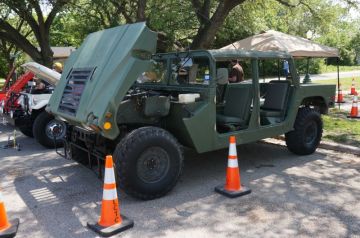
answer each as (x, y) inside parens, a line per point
(76, 82)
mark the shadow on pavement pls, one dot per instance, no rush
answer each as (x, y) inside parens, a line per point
(288, 191)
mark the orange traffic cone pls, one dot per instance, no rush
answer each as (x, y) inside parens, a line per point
(110, 222)
(232, 187)
(353, 90)
(354, 113)
(8, 229)
(340, 98)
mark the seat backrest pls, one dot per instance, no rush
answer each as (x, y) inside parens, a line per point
(276, 95)
(222, 76)
(222, 79)
(238, 100)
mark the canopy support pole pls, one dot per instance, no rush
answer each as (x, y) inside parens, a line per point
(263, 69)
(307, 75)
(278, 64)
(338, 76)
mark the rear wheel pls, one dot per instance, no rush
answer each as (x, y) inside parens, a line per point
(149, 162)
(44, 128)
(306, 136)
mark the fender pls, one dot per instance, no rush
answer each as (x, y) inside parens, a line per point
(40, 104)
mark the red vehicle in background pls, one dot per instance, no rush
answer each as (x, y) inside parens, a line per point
(8, 82)
(8, 98)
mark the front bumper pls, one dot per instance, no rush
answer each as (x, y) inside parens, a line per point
(16, 118)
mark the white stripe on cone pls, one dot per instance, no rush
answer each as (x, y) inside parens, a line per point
(110, 194)
(1, 197)
(232, 149)
(109, 176)
(233, 163)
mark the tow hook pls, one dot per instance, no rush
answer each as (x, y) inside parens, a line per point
(55, 131)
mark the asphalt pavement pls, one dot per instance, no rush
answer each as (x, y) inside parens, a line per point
(333, 75)
(308, 196)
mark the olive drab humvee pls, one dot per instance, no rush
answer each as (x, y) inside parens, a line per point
(119, 97)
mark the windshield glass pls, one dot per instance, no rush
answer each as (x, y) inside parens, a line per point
(190, 70)
(156, 74)
(186, 70)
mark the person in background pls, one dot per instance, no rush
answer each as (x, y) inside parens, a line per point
(286, 68)
(40, 85)
(57, 66)
(236, 73)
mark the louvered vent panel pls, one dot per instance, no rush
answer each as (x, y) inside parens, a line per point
(76, 82)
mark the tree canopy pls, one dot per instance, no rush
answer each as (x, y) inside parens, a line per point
(33, 26)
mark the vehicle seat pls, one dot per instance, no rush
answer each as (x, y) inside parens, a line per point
(276, 97)
(222, 79)
(237, 106)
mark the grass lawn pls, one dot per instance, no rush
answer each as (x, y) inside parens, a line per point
(345, 83)
(333, 68)
(340, 129)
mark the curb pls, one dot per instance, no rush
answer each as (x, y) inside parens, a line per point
(327, 145)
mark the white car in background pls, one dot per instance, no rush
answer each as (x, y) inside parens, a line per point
(32, 115)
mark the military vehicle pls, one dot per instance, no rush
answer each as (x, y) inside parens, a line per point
(119, 97)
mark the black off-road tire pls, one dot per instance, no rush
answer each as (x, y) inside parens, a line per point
(39, 130)
(27, 130)
(149, 162)
(307, 133)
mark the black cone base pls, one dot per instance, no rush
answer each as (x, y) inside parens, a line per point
(232, 194)
(112, 230)
(12, 230)
(355, 117)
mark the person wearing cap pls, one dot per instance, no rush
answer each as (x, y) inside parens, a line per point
(236, 73)
(58, 67)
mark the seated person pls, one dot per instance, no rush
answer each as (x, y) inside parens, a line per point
(183, 76)
(236, 73)
(40, 85)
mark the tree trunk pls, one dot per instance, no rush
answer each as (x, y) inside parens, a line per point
(46, 52)
(140, 14)
(206, 33)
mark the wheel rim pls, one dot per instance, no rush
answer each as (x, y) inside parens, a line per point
(311, 133)
(55, 127)
(153, 165)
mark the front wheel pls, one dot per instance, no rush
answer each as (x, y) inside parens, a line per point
(149, 162)
(44, 128)
(306, 136)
